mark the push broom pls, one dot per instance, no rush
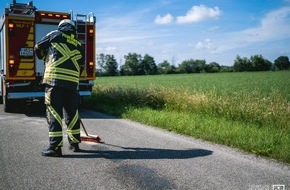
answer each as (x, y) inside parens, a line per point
(88, 137)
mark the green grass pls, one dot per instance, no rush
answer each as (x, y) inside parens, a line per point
(249, 111)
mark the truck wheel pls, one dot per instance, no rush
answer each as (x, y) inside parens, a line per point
(7, 104)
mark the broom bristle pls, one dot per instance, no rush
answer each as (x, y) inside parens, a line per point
(91, 138)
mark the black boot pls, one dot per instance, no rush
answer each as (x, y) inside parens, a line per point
(74, 147)
(53, 152)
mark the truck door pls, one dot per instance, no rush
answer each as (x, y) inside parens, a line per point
(20, 44)
(40, 31)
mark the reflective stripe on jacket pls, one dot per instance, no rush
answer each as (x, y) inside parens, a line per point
(64, 57)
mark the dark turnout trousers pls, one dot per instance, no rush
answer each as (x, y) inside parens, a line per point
(59, 101)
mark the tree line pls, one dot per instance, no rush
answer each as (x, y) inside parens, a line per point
(136, 64)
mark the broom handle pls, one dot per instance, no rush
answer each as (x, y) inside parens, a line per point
(84, 127)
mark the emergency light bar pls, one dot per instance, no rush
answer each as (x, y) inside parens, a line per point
(51, 17)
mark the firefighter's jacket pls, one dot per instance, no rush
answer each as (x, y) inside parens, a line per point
(63, 55)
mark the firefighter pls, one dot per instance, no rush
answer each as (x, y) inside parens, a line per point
(64, 61)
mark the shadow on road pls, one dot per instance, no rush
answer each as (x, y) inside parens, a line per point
(141, 153)
(37, 109)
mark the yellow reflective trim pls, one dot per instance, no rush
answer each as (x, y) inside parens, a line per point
(60, 144)
(55, 115)
(75, 61)
(55, 134)
(30, 37)
(61, 73)
(31, 30)
(71, 39)
(21, 73)
(84, 73)
(26, 60)
(47, 99)
(74, 140)
(61, 77)
(76, 53)
(29, 43)
(53, 70)
(66, 52)
(74, 132)
(26, 65)
(61, 59)
(74, 120)
(70, 52)
(22, 78)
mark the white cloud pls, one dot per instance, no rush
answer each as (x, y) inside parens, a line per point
(206, 44)
(123, 38)
(168, 2)
(213, 29)
(108, 50)
(199, 13)
(274, 26)
(167, 19)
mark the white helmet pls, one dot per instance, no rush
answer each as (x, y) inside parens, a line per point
(66, 21)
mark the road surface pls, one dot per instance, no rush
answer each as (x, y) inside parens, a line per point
(133, 156)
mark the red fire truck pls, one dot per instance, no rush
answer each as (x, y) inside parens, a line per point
(21, 26)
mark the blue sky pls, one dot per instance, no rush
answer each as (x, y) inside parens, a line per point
(177, 30)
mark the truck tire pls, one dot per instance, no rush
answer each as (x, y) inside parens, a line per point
(7, 104)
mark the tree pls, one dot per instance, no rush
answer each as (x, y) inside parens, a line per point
(101, 61)
(242, 64)
(132, 64)
(213, 67)
(192, 66)
(165, 68)
(282, 63)
(148, 66)
(188, 66)
(259, 63)
(225, 68)
(136, 65)
(111, 66)
(107, 65)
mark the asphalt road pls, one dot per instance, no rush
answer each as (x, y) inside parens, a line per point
(133, 156)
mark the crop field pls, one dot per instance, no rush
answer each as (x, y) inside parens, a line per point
(249, 111)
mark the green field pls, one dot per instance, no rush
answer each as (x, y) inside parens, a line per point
(249, 111)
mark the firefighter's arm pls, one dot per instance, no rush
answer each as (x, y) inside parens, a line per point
(41, 47)
(41, 54)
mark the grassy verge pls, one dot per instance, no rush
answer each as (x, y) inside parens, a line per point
(265, 141)
(246, 120)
